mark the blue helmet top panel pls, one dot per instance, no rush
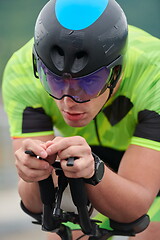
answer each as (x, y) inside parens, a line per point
(79, 14)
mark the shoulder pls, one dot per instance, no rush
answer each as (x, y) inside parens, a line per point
(18, 77)
(20, 88)
(19, 65)
(137, 35)
(143, 44)
(141, 79)
(24, 51)
(142, 60)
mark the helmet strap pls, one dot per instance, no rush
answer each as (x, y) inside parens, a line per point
(114, 81)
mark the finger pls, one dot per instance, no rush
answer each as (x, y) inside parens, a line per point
(30, 175)
(83, 167)
(56, 139)
(30, 162)
(36, 146)
(75, 151)
(79, 166)
(63, 143)
(77, 172)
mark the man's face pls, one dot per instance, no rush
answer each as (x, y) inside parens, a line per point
(80, 114)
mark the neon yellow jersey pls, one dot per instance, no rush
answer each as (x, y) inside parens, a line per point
(130, 116)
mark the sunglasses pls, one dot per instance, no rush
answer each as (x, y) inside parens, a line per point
(81, 89)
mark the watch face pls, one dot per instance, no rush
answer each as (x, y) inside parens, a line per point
(100, 171)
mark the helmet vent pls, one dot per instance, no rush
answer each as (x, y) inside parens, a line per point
(57, 56)
(80, 61)
(80, 55)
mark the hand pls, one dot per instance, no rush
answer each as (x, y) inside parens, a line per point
(31, 169)
(73, 147)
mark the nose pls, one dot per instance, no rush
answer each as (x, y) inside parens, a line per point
(69, 102)
(71, 86)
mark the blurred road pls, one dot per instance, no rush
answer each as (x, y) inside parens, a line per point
(14, 224)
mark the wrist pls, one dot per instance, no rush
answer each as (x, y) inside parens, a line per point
(98, 173)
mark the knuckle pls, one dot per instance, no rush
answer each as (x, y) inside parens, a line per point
(88, 150)
(58, 138)
(81, 139)
(77, 167)
(32, 175)
(25, 162)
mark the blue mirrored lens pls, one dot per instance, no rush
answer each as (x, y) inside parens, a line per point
(79, 89)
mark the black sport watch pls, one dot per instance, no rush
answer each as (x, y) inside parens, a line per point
(99, 171)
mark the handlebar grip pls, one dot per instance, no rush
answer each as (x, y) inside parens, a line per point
(47, 191)
(46, 186)
(80, 200)
(70, 161)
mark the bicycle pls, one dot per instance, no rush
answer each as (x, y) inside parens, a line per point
(53, 217)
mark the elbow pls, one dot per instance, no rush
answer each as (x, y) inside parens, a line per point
(139, 208)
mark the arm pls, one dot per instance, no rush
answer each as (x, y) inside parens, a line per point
(123, 197)
(29, 189)
(128, 195)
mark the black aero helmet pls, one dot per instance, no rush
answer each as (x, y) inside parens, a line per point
(76, 38)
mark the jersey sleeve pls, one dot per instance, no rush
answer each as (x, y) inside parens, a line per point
(146, 93)
(147, 132)
(25, 101)
(134, 113)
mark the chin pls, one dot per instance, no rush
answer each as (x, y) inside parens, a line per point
(76, 123)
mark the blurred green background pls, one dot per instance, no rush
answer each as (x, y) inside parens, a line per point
(17, 18)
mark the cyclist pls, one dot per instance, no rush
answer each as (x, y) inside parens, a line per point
(99, 92)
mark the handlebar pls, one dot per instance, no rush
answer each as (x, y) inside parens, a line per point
(53, 216)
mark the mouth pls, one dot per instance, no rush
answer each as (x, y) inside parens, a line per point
(73, 116)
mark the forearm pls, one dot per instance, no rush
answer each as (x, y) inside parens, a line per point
(118, 198)
(30, 196)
